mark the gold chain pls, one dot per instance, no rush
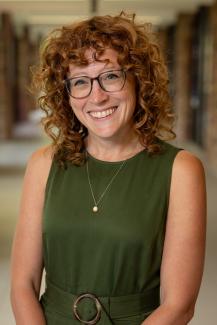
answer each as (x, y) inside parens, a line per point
(96, 202)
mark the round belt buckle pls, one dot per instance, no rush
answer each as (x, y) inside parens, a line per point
(98, 308)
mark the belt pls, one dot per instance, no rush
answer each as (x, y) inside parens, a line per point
(87, 308)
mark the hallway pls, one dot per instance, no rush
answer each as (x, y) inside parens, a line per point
(11, 182)
(186, 31)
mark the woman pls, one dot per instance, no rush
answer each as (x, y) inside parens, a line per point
(114, 213)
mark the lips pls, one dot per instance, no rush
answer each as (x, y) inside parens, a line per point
(103, 113)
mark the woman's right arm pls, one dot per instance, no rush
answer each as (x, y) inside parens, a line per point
(27, 261)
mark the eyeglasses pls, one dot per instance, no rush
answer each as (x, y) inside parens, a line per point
(109, 81)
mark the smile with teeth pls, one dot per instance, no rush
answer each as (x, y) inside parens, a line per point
(101, 114)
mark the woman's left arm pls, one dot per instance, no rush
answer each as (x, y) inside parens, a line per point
(184, 246)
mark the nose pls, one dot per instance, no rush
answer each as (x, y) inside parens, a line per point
(98, 95)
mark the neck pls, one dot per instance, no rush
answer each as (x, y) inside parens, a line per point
(109, 150)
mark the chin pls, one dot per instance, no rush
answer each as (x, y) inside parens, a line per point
(104, 134)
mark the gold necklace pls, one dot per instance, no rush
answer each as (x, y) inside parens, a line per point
(96, 202)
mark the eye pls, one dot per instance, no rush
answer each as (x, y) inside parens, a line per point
(79, 82)
(113, 75)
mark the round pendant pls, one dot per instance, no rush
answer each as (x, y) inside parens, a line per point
(95, 209)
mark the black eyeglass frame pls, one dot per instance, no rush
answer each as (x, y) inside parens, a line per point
(67, 81)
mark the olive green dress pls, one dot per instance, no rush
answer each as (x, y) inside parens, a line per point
(115, 252)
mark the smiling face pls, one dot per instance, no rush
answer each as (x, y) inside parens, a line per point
(106, 115)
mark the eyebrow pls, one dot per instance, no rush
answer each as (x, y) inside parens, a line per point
(82, 74)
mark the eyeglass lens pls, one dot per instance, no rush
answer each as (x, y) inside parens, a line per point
(110, 81)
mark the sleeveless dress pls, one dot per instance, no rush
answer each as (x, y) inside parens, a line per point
(115, 252)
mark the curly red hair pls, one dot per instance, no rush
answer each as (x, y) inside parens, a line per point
(138, 52)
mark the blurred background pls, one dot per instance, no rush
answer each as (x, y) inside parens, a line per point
(187, 32)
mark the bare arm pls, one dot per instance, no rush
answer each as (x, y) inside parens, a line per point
(184, 247)
(27, 263)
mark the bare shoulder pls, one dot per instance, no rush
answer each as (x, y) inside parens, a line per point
(42, 155)
(39, 164)
(188, 183)
(187, 165)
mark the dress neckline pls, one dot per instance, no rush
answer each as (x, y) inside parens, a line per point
(105, 162)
